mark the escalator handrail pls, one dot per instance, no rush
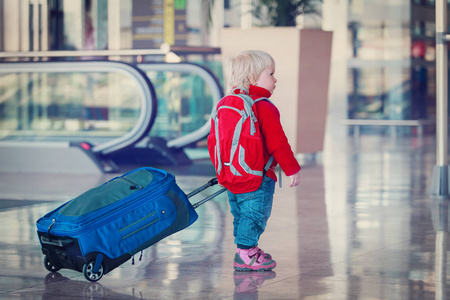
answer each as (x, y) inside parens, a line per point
(210, 79)
(148, 96)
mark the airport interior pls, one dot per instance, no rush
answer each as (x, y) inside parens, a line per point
(93, 89)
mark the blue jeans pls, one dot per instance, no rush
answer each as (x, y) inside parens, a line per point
(251, 212)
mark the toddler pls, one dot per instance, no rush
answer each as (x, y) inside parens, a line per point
(253, 71)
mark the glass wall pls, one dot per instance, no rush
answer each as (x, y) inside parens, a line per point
(379, 92)
(423, 59)
(392, 60)
(379, 83)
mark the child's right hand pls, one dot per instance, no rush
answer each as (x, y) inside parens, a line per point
(295, 179)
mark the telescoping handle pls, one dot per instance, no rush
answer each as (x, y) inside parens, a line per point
(210, 183)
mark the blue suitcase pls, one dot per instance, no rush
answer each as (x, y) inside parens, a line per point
(102, 228)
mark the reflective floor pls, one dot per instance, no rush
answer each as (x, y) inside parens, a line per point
(361, 226)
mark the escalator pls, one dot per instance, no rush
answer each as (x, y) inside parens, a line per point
(94, 116)
(187, 94)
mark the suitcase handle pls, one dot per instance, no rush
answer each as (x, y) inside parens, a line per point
(195, 205)
(210, 183)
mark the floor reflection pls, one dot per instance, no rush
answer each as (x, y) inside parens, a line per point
(440, 211)
(247, 283)
(361, 226)
(59, 287)
(313, 233)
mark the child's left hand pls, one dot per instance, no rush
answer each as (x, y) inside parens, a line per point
(295, 179)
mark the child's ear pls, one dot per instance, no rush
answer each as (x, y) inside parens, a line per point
(252, 79)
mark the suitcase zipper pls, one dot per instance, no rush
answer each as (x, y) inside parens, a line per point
(139, 229)
(133, 186)
(138, 221)
(105, 217)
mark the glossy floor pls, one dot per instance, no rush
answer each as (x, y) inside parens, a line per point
(361, 226)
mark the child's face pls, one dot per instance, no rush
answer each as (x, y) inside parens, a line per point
(267, 79)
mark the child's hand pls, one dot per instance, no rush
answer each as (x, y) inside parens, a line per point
(295, 179)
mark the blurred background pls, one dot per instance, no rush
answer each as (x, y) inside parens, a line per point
(93, 88)
(114, 77)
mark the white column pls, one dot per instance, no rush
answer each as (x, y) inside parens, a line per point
(441, 82)
(12, 26)
(440, 171)
(113, 24)
(335, 19)
(218, 21)
(246, 14)
(24, 30)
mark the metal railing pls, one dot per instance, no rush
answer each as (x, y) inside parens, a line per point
(163, 50)
(357, 123)
(83, 53)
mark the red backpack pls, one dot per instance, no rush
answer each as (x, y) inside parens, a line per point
(235, 143)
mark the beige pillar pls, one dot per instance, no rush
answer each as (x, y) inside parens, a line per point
(302, 69)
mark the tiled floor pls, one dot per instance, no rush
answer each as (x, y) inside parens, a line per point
(361, 226)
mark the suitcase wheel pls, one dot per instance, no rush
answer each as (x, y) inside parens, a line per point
(50, 266)
(89, 272)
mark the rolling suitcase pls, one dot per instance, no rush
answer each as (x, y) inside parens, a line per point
(102, 228)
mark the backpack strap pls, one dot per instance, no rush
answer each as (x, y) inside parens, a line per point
(248, 104)
(239, 89)
(270, 161)
(263, 98)
(217, 150)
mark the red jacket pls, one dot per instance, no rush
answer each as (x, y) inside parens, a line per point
(275, 140)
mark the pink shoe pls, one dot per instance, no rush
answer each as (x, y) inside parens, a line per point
(264, 254)
(252, 260)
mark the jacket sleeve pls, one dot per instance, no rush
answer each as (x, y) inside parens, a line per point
(275, 139)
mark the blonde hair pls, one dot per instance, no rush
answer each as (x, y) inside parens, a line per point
(243, 69)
